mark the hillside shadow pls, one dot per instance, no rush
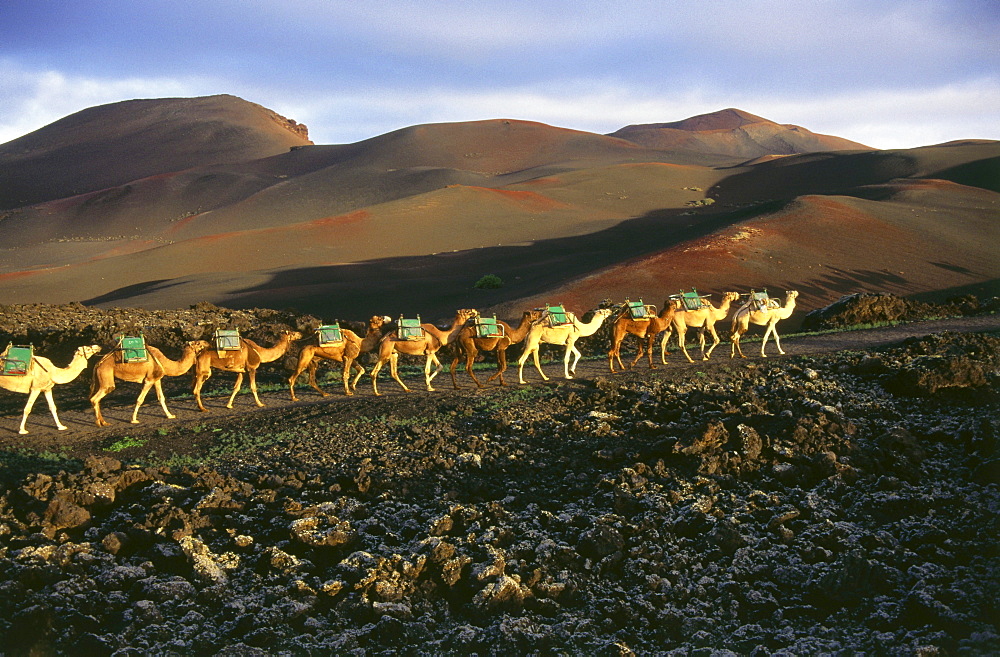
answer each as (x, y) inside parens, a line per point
(435, 285)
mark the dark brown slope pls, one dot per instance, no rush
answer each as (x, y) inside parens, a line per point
(733, 133)
(114, 144)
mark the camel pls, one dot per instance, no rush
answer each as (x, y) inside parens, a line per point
(42, 376)
(345, 352)
(768, 317)
(566, 334)
(704, 318)
(469, 345)
(390, 346)
(246, 360)
(149, 374)
(643, 329)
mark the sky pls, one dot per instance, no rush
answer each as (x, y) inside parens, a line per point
(885, 73)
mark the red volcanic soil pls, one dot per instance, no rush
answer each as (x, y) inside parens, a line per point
(823, 247)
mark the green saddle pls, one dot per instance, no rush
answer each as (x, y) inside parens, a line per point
(329, 334)
(489, 327)
(639, 310)
(131, 349)
(557, 315)
(226, 340)
(760, 300)
(691, 300)
(410, 329)
(16, 360)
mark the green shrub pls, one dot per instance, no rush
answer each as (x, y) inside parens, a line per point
(489, 282)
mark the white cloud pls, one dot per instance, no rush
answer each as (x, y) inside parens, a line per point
(880, 118)
(34, 99)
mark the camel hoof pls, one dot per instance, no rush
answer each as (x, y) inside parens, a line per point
(133, 421)
(22, 431)
(60, 429)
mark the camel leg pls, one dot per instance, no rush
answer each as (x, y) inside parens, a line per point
(146, 385)
(348, 362)
(715, 342)
(357, 377)
(682, 341)
(432, 359)
(454, 367)
(538, 365)
(253, 387)
(236, 389)
(501, 366)
(571, 350)
(763, 342)
(701, 342)
(470, 359)
(95, 401)
(613, 353)
(313, 383)
(52, 409)
(663, 345)
(32, 396)
(777, 341)
(736, 344)
(394, 371)
(163, 399)
(374, 375)
(520, 365)
(291, 384)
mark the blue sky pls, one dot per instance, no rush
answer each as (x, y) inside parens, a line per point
(887, 73)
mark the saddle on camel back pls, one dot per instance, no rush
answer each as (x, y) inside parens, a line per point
(557, 315)
(16, 359)
(692, 300)
(409, 329)
(226, 340)
(761, 301)
(131, 349)
(639, 310)
(488, 327)
(329, 334)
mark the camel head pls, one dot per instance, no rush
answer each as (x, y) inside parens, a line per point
(292, 335)
(87, 351)
(791, 294)
(731, 296)
(198, 345)
(467, 313)
(377, 321)
(534, 314)
(603, 312)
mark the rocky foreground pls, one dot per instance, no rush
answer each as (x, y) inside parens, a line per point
(842, 504)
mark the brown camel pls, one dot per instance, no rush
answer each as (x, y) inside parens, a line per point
(344, 352)
(149, 374)
(246, 360)
(42, 376)
(769, 317)
(565, 334)
(428, 345)
(469, 344)
(643, 329)
(703, 318)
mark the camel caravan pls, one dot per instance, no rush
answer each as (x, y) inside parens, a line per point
(465, 339)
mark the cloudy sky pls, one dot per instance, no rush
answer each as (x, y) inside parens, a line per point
(887, 73)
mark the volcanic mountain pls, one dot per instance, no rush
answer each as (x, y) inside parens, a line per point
(732, 133)
(165, 203)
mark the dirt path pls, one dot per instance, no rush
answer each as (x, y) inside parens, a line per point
(83, 434)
